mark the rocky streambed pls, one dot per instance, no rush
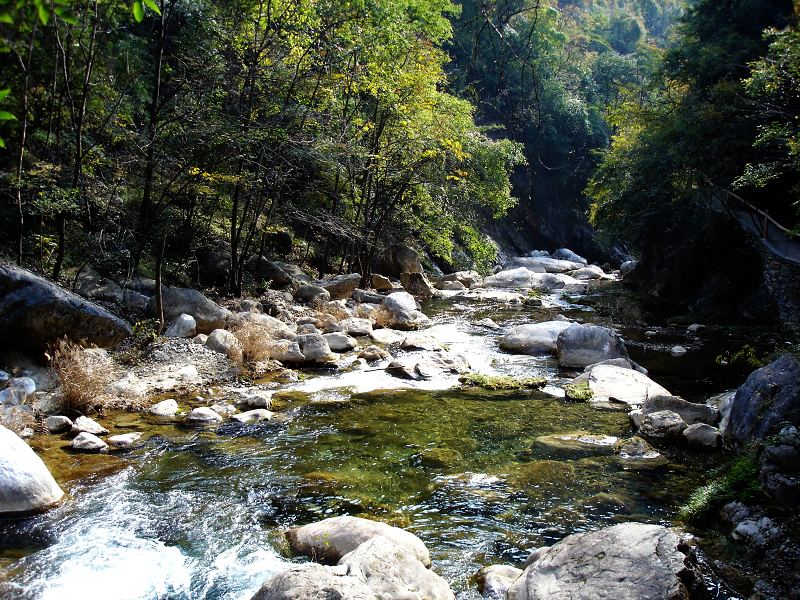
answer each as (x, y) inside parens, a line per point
(198, 507)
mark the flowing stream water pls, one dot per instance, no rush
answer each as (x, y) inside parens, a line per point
(199, 513)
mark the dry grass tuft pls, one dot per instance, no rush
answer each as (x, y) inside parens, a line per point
(382, 317)
(19, 418)
(83, 384)
(255, 341)
(333, 309)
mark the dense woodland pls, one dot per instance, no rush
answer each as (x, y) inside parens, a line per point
(136, 132)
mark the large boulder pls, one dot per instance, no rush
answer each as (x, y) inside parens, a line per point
(310, 293)
(392, 572)
(271, 271)
(312, 581)
(417, 285)
(35, 312)
(25, 483)
(524, 278)
(618, 384)
(545, 264)
(400, 259)
(329, 540)
(583, 345)
(381, 283)
(769, 398)
(567, 254)
(627, 561)
(315, 348)
(536, 338)
(208, 315)
(468, 279)
(340, 287)
(690, 412)
(224, 342)
(590, 272)
(402, 311)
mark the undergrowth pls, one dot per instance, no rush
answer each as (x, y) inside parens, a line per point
(83, 385)
(738, 481)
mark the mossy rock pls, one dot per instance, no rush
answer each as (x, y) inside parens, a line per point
(501, 382)
(576, 443)
(578, 392)
(540, 473)
(438, 458)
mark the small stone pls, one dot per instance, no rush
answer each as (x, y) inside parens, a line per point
(200, 338)
(663, 424)
(203, 415)
(165, 408)
(125, 440)
(340, 342)
(86, 442)
(223, 410)
(373, 353)
(253, 416)
(57, 424)
(87, 425)
(488, 323)
(678, 351)
(695, 328)
(702, 435)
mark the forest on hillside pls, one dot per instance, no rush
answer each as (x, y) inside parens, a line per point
(197, 132)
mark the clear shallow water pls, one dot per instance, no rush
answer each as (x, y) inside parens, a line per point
(199, 513)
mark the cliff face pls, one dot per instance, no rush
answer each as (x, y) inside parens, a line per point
(703, 263)
(550, 215)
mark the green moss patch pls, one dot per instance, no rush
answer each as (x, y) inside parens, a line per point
(501, 382)
(578, 391)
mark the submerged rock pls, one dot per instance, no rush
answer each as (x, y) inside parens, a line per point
(626, 561)
(203, 414)
(25, 483)
(124, 440)
(329, 540)
(578, 443)
(636, 454)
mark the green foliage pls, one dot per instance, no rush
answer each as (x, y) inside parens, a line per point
(705, 123)
(746, 356)
(501, 382)
(738, 481)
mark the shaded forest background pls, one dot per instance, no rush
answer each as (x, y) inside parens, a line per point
(203, 134)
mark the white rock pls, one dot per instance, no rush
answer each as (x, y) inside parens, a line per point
(18, 391)
(183, 327)
(203, 414)
(678, 351)
(609, 382)
(421, 341)
(200, 338)
(87, 425)
(124, 440)
(357, 327)
(253, 416)
(385, 336)
(340, 342)
(224, 342)
(86, 442)
(494, 580)
(25, 483)
(223, 410)
(329, 540)
(392, 571)
(286, 351)
(165, 408)
(488, 323)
